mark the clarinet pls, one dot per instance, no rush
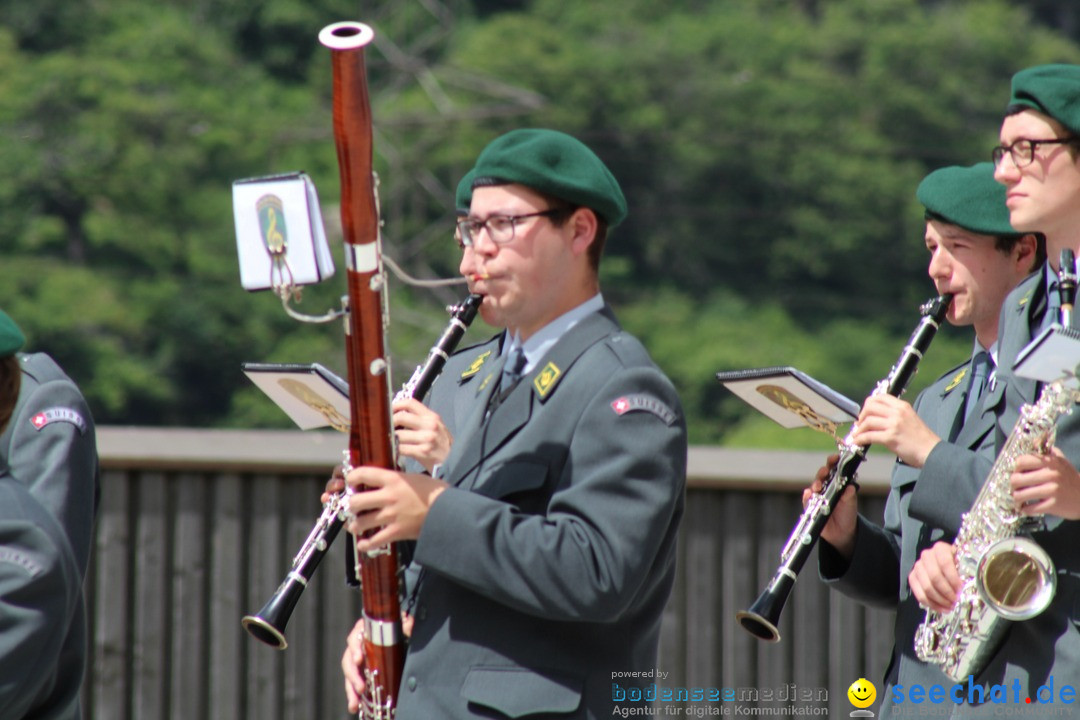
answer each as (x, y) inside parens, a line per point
(762, 617)
(268, 624)
(461, 316)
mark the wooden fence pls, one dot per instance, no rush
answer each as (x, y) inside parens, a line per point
(197, 529)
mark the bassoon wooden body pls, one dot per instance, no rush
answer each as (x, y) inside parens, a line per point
(370, 433)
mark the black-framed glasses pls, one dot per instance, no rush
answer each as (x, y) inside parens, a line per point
(500, 227)
(1023, 150)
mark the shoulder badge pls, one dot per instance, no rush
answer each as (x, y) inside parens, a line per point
(476, 364)
(59, 414)
(645, 403)
(20, 559)
(956, 380)
(547, 379)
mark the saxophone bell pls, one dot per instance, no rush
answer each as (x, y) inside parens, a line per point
(1015, 578)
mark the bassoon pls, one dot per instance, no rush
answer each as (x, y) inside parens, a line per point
(268, 624)
(763, 617)
(370, 432)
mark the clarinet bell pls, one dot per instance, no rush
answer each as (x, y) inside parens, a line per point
(268, 625)
(762, 618)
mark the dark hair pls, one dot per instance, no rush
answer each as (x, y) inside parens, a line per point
(1074, 140)
(10, 382)
(1005, 244)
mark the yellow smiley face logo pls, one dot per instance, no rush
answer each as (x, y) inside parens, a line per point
(862, 693)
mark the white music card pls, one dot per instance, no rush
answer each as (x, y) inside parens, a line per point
(791, 398)
(280, 237)
(311, 395)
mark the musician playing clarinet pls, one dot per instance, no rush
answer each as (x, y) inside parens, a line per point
(547, 536)
(947, 434)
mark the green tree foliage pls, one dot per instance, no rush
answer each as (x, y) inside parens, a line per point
(769, 151)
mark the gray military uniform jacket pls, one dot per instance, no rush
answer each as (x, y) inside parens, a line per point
(50, 448)
(924, 505)
(549, 560)
(40, 603)
(1048, 645)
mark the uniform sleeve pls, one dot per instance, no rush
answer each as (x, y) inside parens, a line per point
(873, 574)
(53, 452)
(962, 473)
(614, 512)
(38, 590)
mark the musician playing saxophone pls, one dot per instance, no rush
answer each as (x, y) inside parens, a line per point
(1037, 163)
(977, 257)
(548, 540)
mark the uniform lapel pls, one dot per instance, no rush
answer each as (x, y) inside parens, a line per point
(1030, 301)
(950, 404)
(485, 437)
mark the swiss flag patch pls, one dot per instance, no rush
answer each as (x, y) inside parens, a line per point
(644, 403)
(59, 414)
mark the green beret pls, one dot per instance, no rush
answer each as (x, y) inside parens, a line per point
(968, 197)
(11, 338)
(463, 196)
(554, 163)
(1053, 90)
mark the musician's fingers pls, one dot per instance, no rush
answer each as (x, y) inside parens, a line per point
(824, 471)
(942, 581)
(407, 405)
(351, 662)
(370, 520)
(370, 476)
(1030, 463)
(1028, 490)
(385, 536)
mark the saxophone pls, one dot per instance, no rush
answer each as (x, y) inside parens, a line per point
(1006, 576)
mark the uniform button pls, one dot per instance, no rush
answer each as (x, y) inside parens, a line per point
(412, 683)
(421, 613)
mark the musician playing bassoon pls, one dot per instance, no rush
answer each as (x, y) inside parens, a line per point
(1038, 163)
(547, 538)
(976, 256)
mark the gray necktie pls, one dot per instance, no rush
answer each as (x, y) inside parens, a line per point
(980, 371)
(511, 375)
(1053, 307)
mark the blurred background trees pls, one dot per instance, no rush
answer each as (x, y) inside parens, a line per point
(769, 150)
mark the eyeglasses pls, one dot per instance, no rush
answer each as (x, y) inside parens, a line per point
(500, 227)
(1023, 150)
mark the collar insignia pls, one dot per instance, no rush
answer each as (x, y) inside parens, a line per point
(956, 380)
(546, 379)
(476, 364)
(484, 384)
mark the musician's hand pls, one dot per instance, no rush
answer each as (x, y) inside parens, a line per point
(395, 503)
(839, 531)
(421, 433)
(335, 484)
(893, 423)
(934, 579)
(352, 663)
(1046, 484)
